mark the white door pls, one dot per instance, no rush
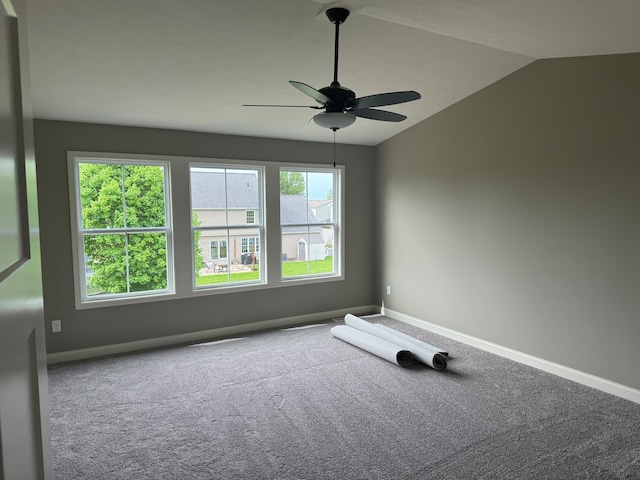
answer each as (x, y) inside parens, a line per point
(25, 444)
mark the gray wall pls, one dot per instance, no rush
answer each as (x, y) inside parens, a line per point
(110, 325)
(514, 215)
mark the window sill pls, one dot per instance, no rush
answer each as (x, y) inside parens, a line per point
(204, 291)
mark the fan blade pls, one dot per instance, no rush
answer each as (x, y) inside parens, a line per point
(379, 115)
(312, 92)
(285, 106)
(383, 99)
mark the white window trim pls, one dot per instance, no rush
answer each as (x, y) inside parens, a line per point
(82, 300)
(338, 229)
(229, 228)
(180, 214)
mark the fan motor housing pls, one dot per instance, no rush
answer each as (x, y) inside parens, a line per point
(340, 97)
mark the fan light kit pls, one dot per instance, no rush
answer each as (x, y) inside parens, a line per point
(334, 120)
(341, 107)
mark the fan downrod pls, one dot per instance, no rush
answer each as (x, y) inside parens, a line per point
(337, 16)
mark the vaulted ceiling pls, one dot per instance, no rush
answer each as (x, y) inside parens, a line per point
(192, 64)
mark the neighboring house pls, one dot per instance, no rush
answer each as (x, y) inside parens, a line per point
(237, 204)
(323, 210)
(300, 242)
(217, 205)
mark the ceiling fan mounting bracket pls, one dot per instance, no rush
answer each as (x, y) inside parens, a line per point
(337, 15)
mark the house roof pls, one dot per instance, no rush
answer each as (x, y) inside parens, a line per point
(208, 190)
(319, 203)
(322, 209)
(242, 192)
(295, 209)
(313, 239)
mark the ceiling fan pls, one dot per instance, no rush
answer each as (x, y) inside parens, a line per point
(341, 107)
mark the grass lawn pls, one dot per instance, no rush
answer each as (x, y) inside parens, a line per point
(295, 268)
(224, 278)
(94, 291)
(289, 269)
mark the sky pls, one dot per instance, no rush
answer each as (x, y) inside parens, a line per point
(319, 185)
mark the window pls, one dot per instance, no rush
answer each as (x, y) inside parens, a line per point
(218, 249)
(309, 226)
(127, 251)
(122, 235)
(226, 207)
(250, 245)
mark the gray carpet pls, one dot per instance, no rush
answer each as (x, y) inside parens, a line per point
(301, 404)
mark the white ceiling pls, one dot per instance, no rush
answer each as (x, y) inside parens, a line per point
(191, 64)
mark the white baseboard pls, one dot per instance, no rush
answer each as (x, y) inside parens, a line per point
(598, 383)
(102, 351)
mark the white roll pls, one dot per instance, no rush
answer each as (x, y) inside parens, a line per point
(421, 351)
(410, 338)
(372, 344)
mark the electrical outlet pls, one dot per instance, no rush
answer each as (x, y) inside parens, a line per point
(388, 289)
(56, 326)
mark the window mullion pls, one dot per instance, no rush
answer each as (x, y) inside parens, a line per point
(124, 197)
(126, 249)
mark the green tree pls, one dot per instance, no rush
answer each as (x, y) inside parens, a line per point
(292, 183)
(124, 196)
(199, 257)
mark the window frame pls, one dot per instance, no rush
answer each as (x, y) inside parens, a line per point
(78, 232)
(336, 224)
(181, 262)
(229, 227)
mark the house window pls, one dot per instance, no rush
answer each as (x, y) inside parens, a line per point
(309, 221)
(218, 249)
(122, 239)
(250, 245)
(223, 201)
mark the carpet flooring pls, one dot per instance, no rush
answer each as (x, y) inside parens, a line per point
(301, 404)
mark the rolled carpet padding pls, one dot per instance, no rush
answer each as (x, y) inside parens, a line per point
(410, 338)
(423, 352)
(372, 344)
